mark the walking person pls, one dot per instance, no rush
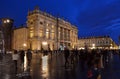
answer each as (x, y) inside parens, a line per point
(22, 54)
(15, 58)
(29, 56)
(66, 55)
(90, 59)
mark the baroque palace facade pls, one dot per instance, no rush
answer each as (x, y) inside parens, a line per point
(100, 42)
(46, 32)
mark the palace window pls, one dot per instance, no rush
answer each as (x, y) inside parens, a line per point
(31, 34)
(52, 34)
(41, 33)
(53, 26)
(47, 24)
(47, 33)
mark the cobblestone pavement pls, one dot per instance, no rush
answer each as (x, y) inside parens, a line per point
(52, 67)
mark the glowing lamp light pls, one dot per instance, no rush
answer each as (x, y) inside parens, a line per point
(44, 43)
(93, 46)
(8, 20)
(24, 45)
(111, 47)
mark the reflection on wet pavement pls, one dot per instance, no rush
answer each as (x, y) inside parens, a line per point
(45, 67)
(25, 63)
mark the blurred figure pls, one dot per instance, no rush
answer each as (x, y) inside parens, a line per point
(22, 54)
(29, 56)
(15, 58)
(1, 56)
(89, 74)
(66, 55)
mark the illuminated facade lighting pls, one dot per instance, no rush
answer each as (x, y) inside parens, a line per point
(24, 44)
(44, 43)
(100, 42)
(47, 31)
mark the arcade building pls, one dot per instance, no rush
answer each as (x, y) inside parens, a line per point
(97, 42)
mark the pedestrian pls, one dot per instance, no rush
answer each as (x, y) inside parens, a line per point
(15, 58)
(66, 55)
(1, 56)
(22, 54)
(89, 74)
(29, 56)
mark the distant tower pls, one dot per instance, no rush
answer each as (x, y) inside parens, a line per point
(6, 27)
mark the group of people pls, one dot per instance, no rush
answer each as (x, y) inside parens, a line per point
(19, 55)
(96, 58)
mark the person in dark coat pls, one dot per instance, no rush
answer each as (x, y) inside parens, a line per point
(22, 54)
(29, 56)
(66, 55)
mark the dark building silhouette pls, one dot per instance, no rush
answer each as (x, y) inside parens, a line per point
(6, 28)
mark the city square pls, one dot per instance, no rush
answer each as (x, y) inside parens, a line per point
(52, 67)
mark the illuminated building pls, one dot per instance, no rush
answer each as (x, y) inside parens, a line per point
(46, 32)
(20, 38)
(101, 42)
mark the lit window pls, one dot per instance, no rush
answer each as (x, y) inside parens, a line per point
(47, 24)
(52, 35)
(41, 33)
(47, 33)
(31, 34)
(31, 28)
(47, 29)
(52, 26)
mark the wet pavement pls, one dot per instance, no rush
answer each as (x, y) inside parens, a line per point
(52, 67)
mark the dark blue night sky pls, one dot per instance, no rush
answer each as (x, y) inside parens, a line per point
(92, 17)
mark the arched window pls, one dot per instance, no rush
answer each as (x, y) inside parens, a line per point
(47, 33)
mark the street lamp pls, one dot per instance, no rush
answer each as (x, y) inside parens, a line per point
(6, 21)
(24, 45)
(111, 47)
(93, 46)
